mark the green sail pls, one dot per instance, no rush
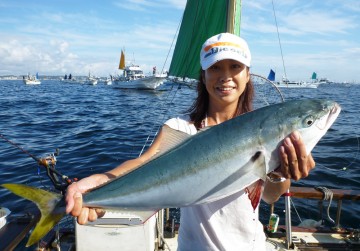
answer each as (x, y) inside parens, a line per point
(201, 20)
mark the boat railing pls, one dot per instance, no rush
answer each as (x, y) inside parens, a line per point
(312, 193)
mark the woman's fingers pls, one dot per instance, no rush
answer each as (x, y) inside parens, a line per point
(284, 168)
(100, 212)
(69, 198)
(92, 215)
(310, 162)
(78, 201)
(83, 216)
(300, 155)
(291, 165)
(295, 163)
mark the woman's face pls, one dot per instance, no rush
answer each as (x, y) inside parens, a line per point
(226, 81)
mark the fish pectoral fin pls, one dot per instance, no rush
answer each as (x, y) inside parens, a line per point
(258, 166)
(50, 205)
(258, 163)
(254, 192)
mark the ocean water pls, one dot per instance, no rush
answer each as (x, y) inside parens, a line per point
(98, 127)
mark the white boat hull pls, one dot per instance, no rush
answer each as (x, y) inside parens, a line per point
(297, 85)
(32, 82)
(91, 82)
(147, 83)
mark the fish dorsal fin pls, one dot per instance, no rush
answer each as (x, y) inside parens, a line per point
(171, 138)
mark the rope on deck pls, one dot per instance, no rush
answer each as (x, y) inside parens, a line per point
(327, 195)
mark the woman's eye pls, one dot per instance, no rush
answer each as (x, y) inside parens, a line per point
(237, 66)
(214, 67)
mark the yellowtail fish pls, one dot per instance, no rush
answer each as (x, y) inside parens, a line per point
(191, 170)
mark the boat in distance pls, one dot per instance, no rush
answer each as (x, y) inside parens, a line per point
(133, 77)
(31, 80)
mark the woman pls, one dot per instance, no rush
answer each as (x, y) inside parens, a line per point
(225, 90)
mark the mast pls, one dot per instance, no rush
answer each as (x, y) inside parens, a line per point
(233, 17)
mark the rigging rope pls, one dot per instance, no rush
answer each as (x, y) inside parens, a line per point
(277, 28)
(154, 131)
(328, 195)
(297, 213)
(172, 43)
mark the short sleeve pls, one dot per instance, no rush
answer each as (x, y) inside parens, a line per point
(181, 124)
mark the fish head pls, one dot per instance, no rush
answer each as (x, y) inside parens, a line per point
(318, 121)
(313, 118)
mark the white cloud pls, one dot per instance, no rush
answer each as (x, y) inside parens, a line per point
(326, 23)
(59, 40)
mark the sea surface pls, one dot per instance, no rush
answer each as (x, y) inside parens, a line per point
(98, 127)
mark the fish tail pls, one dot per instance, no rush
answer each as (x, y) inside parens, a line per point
(50, 205)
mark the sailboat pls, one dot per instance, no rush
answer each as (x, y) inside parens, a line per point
(133, 77)
(286, 83)
(271, 76)
(91, 80)
(314, 82)
(32, 80)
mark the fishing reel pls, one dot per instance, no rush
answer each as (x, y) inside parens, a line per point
(49, 160)
(60, 181)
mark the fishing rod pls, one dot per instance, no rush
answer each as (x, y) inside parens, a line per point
(59, 180)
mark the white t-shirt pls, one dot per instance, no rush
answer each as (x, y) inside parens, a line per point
(226, 224)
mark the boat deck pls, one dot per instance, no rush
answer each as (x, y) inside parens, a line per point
(307, 240)
(17, 227)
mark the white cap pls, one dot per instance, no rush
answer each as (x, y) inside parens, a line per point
(224, 46)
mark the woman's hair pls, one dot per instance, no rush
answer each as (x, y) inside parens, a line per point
(200, 106)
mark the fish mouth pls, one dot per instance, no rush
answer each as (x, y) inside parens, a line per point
(335, 109)
(332, 114)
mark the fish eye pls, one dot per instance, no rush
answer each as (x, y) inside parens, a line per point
(309, 120)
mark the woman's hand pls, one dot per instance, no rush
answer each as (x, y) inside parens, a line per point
(295, 163)
(74, 199)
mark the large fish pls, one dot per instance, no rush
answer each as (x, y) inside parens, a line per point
(191, 170)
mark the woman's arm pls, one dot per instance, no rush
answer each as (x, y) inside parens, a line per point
(295, 164)
(73, 198)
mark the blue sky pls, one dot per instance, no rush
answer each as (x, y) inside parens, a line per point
(58, 37)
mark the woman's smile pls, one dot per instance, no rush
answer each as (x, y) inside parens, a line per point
(226, 89)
